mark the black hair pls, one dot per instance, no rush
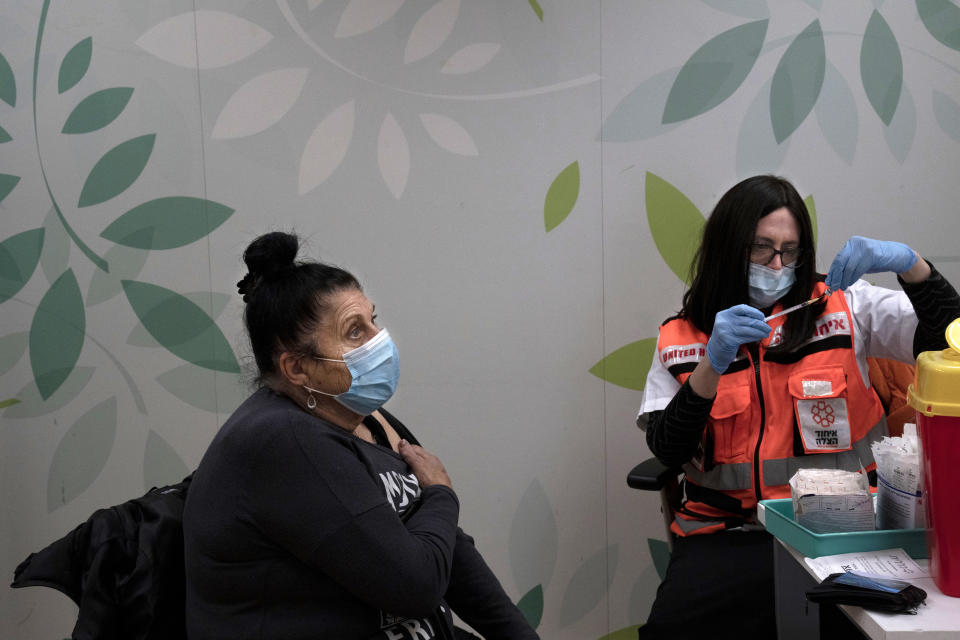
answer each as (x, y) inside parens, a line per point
(720, 269)
(285, 298)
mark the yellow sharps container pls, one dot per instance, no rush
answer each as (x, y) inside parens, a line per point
(935, 394)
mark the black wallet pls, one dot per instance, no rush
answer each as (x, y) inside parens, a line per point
(869, 592)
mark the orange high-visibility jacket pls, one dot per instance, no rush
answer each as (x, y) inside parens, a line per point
(774, 413)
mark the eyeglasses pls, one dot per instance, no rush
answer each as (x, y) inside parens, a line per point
(764, 253)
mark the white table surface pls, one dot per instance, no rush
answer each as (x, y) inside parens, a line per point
(938, 619)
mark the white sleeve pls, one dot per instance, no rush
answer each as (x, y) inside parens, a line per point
(885, 320)
(660, 387)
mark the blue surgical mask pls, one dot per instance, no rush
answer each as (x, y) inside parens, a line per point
(769, 285)
(375, 368)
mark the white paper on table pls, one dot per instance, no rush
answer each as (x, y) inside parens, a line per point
(888, 563)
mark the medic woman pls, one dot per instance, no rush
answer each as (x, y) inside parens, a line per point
(741, 400)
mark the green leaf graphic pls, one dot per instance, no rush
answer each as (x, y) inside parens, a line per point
(57, 334)
(797, 81)
(715, 71)
(627, 633)
(637, 116)
(7, 183)
(213, 391)
(836, 111)
(19, 255)
(533, 538)
(180, 326)
(82, 454)
(588, 585)
(902, 131)
(12, 347)
(757, 149)
(34, 405)
(561, 196)
(125, 264)
(75, 64)
(98, 110)
(531, 606)
(660, 554)
(161, 463)
(212, 303)
(627, 366)
(676, 225)
(881, 67)
(4, 136)
(172, 222)
(812, 209)
(947, 114)
(537, 9)
(942, 20)
(8, 84)
(55, 257)
(116, 170)
(8, 403)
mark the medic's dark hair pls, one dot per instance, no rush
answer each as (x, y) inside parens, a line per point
(719, 273)
(285, 298)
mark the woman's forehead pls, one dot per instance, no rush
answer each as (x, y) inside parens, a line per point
(777, 225)
(347, 303)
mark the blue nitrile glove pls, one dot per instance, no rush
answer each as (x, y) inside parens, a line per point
(864, 255)
(733, 327)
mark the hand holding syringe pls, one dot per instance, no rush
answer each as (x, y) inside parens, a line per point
(822, 296)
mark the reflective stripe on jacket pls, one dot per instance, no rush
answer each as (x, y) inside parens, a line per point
(774, 413)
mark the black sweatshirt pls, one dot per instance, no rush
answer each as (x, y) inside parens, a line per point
(295, 528)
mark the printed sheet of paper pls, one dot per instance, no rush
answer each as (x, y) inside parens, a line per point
(887, 563)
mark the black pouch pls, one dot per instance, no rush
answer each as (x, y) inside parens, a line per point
(869, 592)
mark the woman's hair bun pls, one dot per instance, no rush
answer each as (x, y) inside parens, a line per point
(271, 252)
(268, 254)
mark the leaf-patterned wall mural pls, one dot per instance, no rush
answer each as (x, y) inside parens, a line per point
(520, 184)
(265, 99)
(58, 331)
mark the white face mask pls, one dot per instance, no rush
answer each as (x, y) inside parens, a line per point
(769, 285)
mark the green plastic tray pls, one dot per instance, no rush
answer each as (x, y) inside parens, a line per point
(778, 519)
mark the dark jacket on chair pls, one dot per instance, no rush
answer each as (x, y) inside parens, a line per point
(123, 567)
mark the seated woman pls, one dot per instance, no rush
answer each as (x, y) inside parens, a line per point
(743, 396)
(314, 513)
